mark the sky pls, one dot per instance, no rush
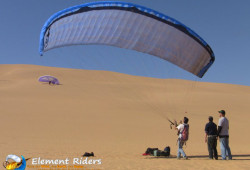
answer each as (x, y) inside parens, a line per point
(223, 24)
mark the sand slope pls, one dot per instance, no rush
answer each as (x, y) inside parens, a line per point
(115, 115)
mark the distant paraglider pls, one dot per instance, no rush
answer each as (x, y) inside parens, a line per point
(49, 79)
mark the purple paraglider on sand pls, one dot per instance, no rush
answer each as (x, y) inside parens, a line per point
(49, 79)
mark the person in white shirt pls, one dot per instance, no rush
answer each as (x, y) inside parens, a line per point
(223, 134)
(182, 137)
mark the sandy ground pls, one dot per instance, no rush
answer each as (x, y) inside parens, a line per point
(116, 116)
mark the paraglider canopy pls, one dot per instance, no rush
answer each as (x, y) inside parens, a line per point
(49, 79)
(129, 26)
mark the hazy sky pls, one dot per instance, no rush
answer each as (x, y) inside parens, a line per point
(224, 24)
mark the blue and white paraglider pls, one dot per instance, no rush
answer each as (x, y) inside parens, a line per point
(129, 26)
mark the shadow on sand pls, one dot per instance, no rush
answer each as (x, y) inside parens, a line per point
(235, 157)
(45, 83)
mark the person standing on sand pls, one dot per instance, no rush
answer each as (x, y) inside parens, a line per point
(211, 138)
(223, 134)
(183, 130)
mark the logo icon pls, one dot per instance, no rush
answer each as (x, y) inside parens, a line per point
(14, 162)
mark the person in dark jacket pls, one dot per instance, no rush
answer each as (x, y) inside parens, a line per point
(211, 138)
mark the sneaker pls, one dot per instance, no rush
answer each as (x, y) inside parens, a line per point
(185, 158)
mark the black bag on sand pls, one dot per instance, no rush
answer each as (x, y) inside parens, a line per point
(151, 151)
(88, 154)
(164, 153)
(167, 150)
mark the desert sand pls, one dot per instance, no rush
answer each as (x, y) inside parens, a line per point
(117, 116)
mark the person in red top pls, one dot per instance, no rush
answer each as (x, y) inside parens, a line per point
(181, 142)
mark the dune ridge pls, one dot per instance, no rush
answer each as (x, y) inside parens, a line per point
(117, 116)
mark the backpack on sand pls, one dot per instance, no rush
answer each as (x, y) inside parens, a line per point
(167, 149)
(151, 150)
(161, 153)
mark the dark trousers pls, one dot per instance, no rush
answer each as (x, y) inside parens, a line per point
(212, 147)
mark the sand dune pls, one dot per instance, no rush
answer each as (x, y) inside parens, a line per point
(117, 116)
